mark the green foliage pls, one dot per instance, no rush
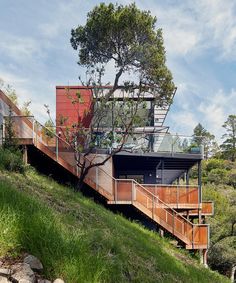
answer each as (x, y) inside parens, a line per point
(11, 160)
(223, 255)
(201, 137)
(229, 144)
(126, 37)
(81, 241)
(214, 163)
(9, 91)
(49, 129)
(232, 178)
(25, 108)
(218, 176)
(10, 140)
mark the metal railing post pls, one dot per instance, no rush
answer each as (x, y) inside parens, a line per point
(115, 191)
(173, 222)
(3, 130)
(153, 203)
(192, 237)
(33, 130)
(36, 132)
(57, 148)
(132, 192)
(96, 180)
(177, 196)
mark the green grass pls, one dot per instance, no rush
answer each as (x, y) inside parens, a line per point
(81, 241)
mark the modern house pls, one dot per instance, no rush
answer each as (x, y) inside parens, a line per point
(151, 173)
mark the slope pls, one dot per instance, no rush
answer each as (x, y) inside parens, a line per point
(81, 241)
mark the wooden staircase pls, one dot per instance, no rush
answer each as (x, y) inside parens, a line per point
(117, 191)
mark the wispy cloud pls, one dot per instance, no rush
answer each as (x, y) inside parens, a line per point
(200, 39)
(194, 26)
(19, 48)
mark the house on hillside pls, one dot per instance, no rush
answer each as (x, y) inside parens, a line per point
(150, 173)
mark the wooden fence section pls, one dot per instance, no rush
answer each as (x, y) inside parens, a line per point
(148, 199)
(193, 235)
(174, 194)
(207, 209)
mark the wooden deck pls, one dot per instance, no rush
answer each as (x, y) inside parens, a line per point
(156, 202)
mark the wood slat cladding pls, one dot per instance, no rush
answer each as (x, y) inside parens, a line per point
(73, 111)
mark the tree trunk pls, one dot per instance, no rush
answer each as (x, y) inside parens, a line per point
(232, 229)
(83, 174)
(80, 184)
(233, 269)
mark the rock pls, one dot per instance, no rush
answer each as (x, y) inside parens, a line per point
(23, 273)
(5, 272)
(3, 280)
(58, 280)
(33, 262)
(44, 281)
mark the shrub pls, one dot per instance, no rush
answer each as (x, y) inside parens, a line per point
(232, 178)
(213, 163)
(218, 176)
(11, 160)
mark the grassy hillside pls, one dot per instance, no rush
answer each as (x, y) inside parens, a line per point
(81, 241)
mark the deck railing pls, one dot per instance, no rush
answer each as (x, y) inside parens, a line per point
(176, 194)
(147, 199)
(137, 142)
(158, 210)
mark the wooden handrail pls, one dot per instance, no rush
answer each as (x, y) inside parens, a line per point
(155, 200)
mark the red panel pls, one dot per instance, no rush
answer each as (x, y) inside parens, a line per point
(73, 112)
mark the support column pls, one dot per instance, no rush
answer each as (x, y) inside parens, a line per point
(187, 186)
(187, 178)
(25, 155)
(199, 191)
(161, 232)
(203, 257)
(162, 171)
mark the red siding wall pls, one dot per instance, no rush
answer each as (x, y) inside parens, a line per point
(74, 112)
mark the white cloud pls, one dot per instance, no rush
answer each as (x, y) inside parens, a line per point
(189, 27)
(216, 110)
(19, 48)
(182, 122)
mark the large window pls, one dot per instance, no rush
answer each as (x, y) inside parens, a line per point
(116, 114)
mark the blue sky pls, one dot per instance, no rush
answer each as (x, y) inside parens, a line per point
(200, 41)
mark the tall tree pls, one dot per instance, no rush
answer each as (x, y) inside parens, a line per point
(222, 256)
(126, 39)
(201, 137)
(229, 145)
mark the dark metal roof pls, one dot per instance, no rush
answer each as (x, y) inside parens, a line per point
(150, 161)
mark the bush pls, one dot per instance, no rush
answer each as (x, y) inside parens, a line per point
(213, 163)
(11, 160)
(218, 176)
(232, 178)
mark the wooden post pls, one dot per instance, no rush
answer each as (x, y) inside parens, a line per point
(57, 148)
(187, 178)
(161, 232)
(203, 257)
(25, 155)
(233, 270)
(199, 191)
(187, 185)
(162, 171)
